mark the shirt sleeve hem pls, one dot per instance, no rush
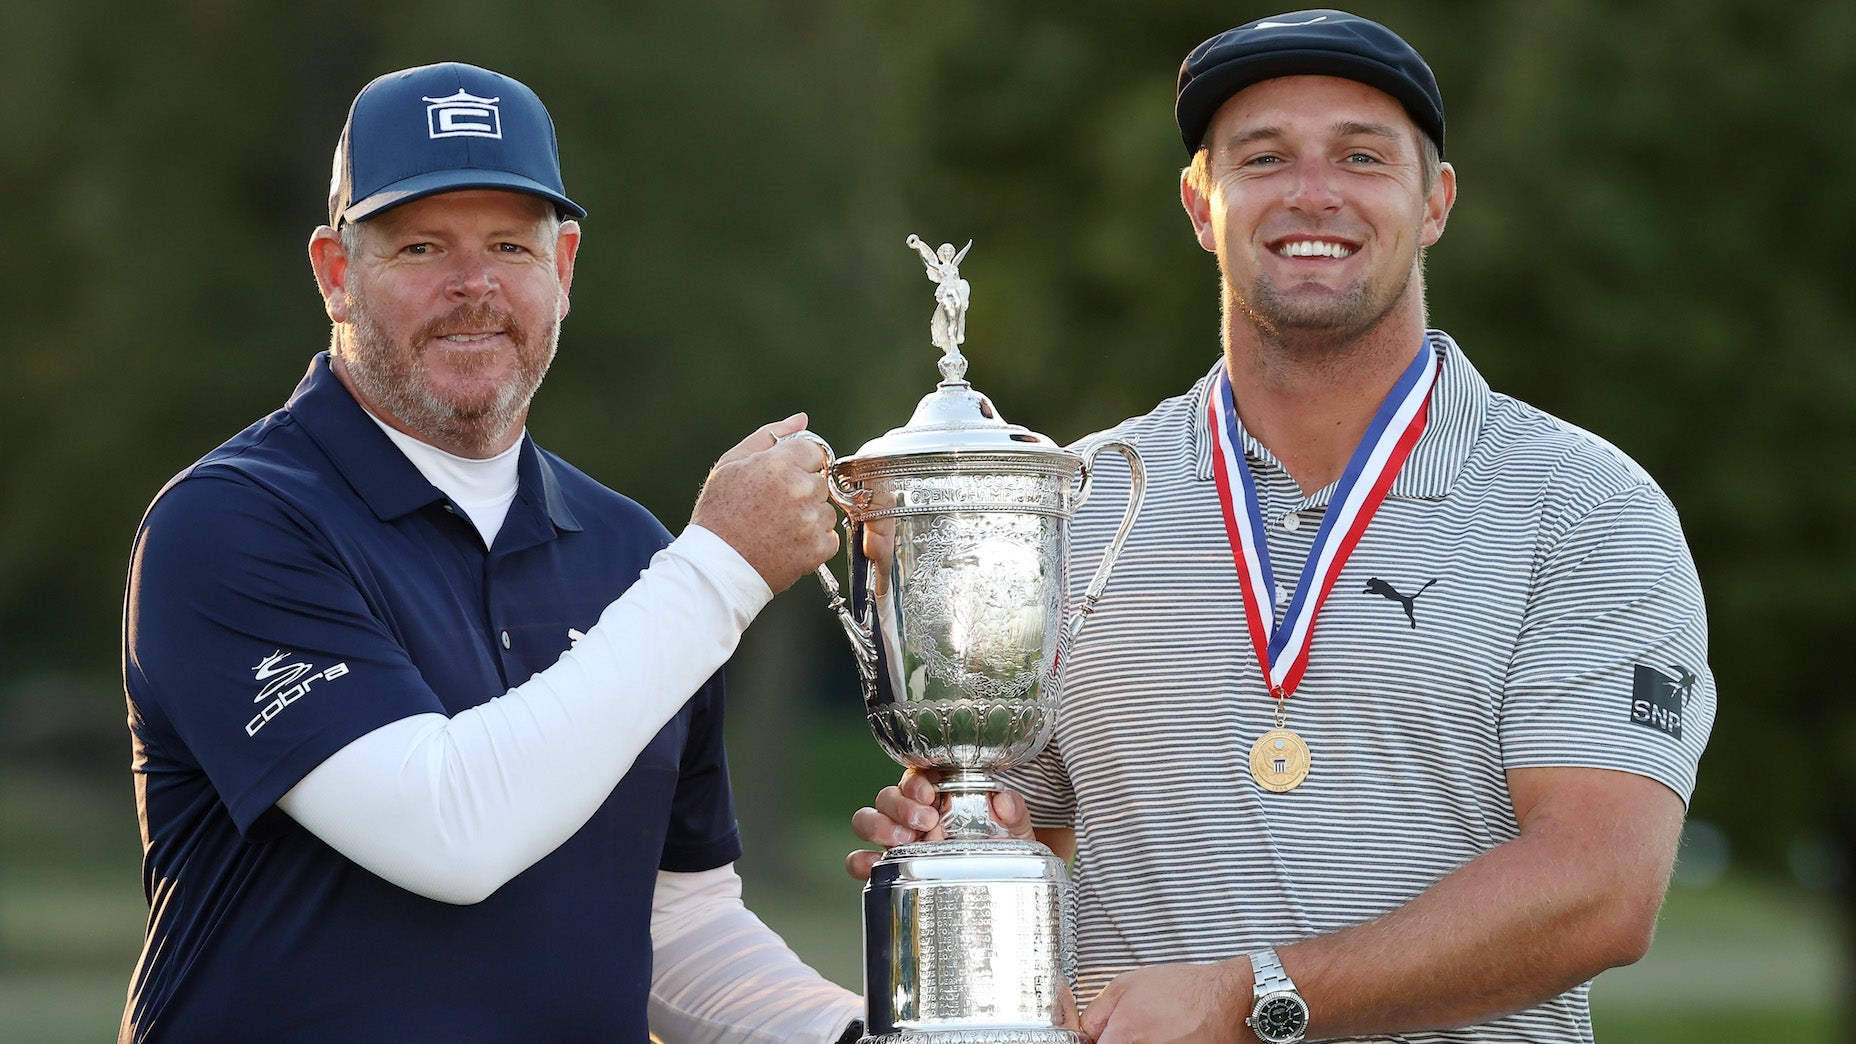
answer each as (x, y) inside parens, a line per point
(262, 795)
(690, 859)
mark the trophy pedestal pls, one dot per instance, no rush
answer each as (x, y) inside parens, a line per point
(968, 942)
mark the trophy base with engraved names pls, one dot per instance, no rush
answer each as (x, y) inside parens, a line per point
(966, 942)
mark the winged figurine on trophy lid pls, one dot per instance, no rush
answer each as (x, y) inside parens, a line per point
(948, 328)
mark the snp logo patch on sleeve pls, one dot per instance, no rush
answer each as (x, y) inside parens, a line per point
(1658, 700)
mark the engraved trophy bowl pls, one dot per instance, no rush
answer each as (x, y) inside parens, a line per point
(958, 536)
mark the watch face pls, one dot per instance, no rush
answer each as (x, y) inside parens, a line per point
(1280, 1017)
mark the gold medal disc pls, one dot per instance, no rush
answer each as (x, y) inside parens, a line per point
(1279, 760)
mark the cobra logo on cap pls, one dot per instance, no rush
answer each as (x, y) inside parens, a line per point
(463, 115)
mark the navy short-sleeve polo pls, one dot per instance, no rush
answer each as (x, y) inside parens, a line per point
(300, 586)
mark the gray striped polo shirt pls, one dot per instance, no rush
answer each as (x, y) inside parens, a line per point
(1524, 597)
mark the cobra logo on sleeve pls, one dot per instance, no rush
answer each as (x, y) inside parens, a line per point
(284, 684)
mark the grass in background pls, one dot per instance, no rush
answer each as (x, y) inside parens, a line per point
(71, 906)
(1734, 962)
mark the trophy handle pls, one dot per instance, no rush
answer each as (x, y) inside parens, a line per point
(1137, 495)
(847, 499)
(862, 639)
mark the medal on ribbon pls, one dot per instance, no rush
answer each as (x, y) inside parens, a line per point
(1280, 759)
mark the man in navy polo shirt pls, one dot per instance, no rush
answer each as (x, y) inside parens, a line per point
(426, 722)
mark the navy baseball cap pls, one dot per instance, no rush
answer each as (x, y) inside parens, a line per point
(437, 128)
(1305, 43)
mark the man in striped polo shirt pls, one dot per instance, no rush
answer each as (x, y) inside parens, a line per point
(1437, 816)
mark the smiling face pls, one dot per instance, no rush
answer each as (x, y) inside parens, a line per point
(447, 311)
(1314, 196)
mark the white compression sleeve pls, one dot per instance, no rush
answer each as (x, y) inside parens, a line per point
(454, 807)
(721, 976)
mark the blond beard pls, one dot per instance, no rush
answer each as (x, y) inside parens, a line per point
(393, 381)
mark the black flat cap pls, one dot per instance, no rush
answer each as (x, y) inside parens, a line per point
(1305, 43)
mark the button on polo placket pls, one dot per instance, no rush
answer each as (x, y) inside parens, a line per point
(505, 609)
(500, 618)
(509, 659)
(1289, 553)
(1278, 490)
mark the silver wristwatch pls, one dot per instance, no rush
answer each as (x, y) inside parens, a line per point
(1278, 1014)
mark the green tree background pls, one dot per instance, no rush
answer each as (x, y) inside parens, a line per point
(1654, 198)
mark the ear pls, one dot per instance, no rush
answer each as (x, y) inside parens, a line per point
(1437, 206)
(330, 263)
(566, 249)
(1198, 206)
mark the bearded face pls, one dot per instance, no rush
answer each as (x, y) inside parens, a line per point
(1315, 197)
(449, 313)
(442, 382)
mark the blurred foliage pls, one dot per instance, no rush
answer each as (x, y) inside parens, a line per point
(1651, 195)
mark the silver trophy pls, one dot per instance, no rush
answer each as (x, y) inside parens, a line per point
(958, 535)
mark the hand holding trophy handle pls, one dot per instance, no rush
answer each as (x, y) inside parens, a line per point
(863, 642)
(1137, 493)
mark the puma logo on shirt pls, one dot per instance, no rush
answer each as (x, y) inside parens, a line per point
(1380, 587)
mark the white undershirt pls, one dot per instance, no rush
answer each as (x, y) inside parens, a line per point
(483, 487)
(452, 808)
(720, 976)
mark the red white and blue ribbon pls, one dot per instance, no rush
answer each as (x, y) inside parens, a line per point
(1282, 649)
